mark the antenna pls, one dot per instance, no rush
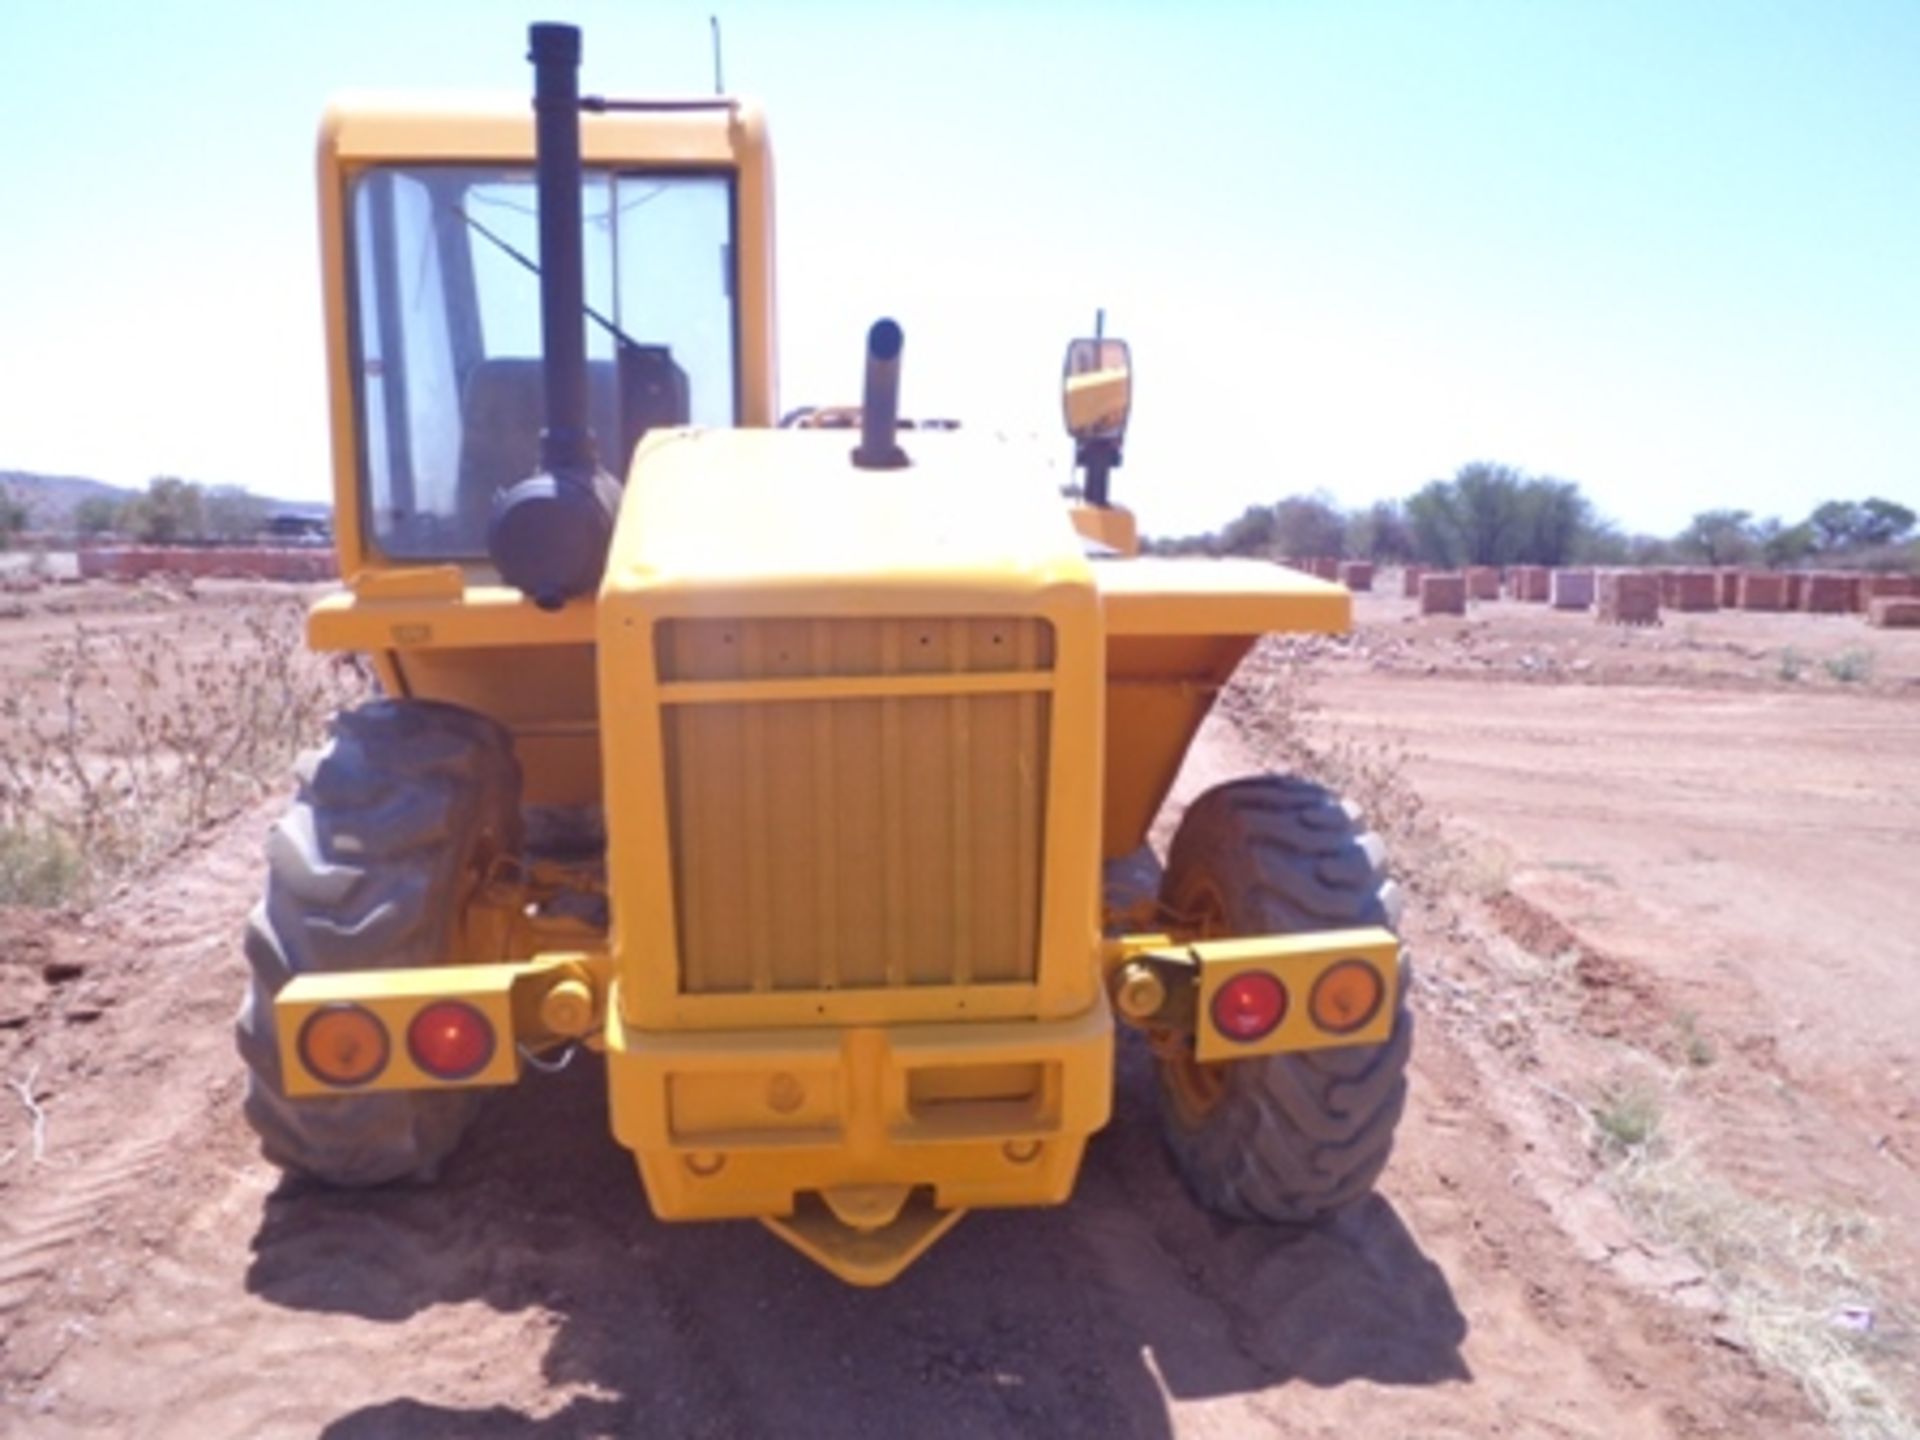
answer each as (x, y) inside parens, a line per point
(719, 88)
(1100, 323)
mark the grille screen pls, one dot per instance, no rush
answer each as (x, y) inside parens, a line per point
(835, 842)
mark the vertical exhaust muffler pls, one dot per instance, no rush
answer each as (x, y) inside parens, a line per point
(548, 534)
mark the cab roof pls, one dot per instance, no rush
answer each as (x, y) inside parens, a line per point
(711, 132)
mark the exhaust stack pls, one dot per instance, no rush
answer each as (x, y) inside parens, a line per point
(880, 402)
(566, 445)
(548, 534)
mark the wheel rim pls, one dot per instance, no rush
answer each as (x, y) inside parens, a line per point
(1196, 1090)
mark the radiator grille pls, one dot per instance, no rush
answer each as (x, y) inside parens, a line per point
(864, 839)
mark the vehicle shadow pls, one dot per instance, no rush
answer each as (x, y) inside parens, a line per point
(1078, 1320)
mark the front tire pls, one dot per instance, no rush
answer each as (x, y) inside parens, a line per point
(1288, 1138)
(397, 821)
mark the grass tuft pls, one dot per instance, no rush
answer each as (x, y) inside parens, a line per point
(1627, 1118)
(39, 866)
(1696, 1047)
(1851, 667)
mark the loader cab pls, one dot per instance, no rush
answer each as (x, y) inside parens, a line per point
(432, 276)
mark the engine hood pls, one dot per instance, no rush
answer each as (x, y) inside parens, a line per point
(786, 515)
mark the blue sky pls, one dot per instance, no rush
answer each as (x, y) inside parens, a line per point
(1670, 251)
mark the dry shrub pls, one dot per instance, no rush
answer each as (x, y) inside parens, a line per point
(1790, 1276)
(1271, 702)
(124, 744)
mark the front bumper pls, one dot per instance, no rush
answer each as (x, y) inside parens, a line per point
(860, 1144)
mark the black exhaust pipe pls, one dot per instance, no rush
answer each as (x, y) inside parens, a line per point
(880, 404)
(548, 534)
(566, 445)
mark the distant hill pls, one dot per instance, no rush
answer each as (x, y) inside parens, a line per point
(52, 499)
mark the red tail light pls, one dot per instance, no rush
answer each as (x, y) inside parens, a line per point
(1249, 1006)
(450, 1040)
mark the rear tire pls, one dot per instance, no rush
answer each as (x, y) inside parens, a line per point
(397, 821)
(1287, 1138)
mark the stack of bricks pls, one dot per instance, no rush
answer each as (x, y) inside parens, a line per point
(1356, 574)
(1826, 593)
(1894, 612)
(1443, 594)
(1890, 587)
(1796, 588)
(1729, 589)
(1324, 567)
(1571, 589)
(1690, 589)
(212, 563)
(1629, 597)
(1410, 581)
(1528, 582)
(1483, 582)
(1762, 590)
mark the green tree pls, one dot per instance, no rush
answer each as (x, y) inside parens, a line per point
(1487, 509)
(1719, 537)
(1380, 533)
(1860, 525)
(233, 514)
(95, 516)
(13, 517)
(1491, 514)
(169, 512)
(1250, 534)
(1436, 532)
(1834, 523)
(1649, 550)
(1305, 526)
(1601, 543)
(1882, 522)
(1554, 516)
(1782, 545)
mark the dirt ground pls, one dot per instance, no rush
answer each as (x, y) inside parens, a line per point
(1644, 864)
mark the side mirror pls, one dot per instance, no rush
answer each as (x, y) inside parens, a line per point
(1097, 390)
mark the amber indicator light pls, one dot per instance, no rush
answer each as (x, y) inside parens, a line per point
(344, 1045)
(1346, 997)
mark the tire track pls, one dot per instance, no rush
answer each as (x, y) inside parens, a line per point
(35, 1234)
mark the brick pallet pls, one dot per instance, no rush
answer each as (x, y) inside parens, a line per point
(1443, 594)
(1826, 593)
(1894, 612)
(1691, 590)
(1571, 589)
(1762, 590)
(1528, 583)
(1628, 597)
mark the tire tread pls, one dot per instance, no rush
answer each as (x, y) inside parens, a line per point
(1295, 1136)
(369, 868)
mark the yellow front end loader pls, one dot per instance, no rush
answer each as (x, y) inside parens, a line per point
(778, 766)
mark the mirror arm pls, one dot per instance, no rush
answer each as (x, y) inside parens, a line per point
(1098, 458)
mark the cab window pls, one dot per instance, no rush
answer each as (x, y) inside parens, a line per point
(446, 334)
